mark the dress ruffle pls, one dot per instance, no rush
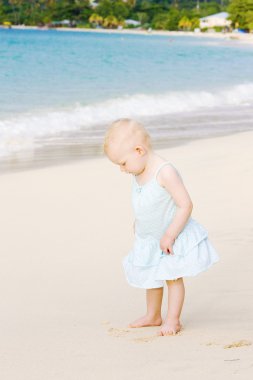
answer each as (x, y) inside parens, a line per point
(146, 266)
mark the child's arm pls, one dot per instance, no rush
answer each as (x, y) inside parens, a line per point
(171, 181)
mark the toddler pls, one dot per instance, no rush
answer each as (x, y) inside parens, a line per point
(169, 244)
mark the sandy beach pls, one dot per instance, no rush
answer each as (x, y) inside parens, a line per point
(65, 303)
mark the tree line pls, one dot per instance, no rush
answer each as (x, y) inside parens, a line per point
(157, 14)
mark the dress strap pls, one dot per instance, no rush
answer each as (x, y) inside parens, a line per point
(160, 167)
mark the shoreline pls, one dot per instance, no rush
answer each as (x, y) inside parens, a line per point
(167, 131)
(242, 37)
(63, 153)
(58, 156)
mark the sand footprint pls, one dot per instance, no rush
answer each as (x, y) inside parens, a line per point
(236, 344)
(123, 332)
(212, 344)
(105, 323)
(119, 333)
(116, 332)
(239, 343)
(145, 339)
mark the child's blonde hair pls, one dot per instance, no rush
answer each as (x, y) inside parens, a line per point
(126, 130)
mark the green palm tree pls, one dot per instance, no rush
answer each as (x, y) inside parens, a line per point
(185, 23)
(96, 19)
(110, 22)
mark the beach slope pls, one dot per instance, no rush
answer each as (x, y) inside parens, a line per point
(65, 303)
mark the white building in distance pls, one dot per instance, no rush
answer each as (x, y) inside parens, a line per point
(134, 23)
(218, 19)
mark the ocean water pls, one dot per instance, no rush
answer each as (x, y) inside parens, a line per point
(59, 90)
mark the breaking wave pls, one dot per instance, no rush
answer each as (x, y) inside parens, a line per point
(25, 131)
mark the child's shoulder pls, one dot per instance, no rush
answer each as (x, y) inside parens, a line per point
(164, 166)
(167, 173)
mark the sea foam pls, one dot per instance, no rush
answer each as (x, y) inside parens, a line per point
(25, 131)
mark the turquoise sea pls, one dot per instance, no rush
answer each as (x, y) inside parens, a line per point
(59, 90)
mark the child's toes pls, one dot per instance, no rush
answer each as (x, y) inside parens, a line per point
(167, 333)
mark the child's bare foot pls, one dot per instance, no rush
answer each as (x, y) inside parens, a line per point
(170, 327)
(146, 321)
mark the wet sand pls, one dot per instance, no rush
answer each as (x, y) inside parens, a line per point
(26, 153)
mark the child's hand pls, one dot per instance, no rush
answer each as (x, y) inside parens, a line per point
(166, 244)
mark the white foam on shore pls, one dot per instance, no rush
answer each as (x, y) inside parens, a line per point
(23, 132)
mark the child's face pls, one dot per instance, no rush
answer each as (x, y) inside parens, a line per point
(130, 161)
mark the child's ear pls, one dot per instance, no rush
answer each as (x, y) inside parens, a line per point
(140, 150)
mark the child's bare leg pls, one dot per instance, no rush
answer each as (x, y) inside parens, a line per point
(176, 294)
(153, 315)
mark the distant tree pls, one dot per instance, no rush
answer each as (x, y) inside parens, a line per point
(166, 20)
(105, 8)
(96, 19)
(209, 8)
(142, 17)
(188, 4)
(131, 3)
(249, 19)
(16, 10)
(110, 22)
(118, 9)
(152, 9)
(195, 23)
(166, 13)
(160, 21)
(2, 12)
(121, 9)
(174, 17)
(241, 13)
(185, 23)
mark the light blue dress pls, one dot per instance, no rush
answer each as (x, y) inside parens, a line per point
(147, 266)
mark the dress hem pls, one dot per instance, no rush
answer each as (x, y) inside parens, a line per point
(175, 278)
